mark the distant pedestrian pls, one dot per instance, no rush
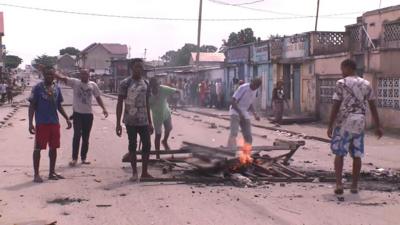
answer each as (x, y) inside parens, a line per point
(45, 101)
(3, 91)
(242, 104)
(161, 112)
(10, 96)
(278, 99)
(134, 91)
(83, 93)
(348, 120)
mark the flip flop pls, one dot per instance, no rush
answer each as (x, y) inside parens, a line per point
(86, 162)
(56, 176)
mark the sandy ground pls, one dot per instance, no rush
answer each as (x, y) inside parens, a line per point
(107, 197)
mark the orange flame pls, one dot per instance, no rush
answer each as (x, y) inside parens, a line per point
(245, 153)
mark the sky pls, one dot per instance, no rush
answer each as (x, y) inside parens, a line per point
(29, 32)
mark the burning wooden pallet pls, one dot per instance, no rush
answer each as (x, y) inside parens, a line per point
(212, 164)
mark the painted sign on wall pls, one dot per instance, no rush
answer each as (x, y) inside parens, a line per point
(238, 55)
(294, 47)
(261, 53)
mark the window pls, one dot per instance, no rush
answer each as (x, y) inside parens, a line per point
(389, 92)
(326, 90)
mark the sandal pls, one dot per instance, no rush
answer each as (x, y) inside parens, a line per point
(55, 176)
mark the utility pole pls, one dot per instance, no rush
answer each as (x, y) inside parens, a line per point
(198, 37)
(145, 53)
(316, 18)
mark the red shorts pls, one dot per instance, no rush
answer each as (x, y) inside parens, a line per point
(47, 134)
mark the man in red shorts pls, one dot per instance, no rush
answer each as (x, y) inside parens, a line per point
(45, 101)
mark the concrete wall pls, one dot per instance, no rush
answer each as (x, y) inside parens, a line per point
(375, 22)
(329, 64)
(389, 61)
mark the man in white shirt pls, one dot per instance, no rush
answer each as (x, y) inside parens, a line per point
(242, 105)
(83, 91)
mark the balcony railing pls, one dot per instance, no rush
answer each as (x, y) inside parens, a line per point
(324, 43)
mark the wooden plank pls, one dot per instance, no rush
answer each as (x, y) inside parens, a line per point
(170, 152)
(280, 172)
(220, 180)
(290, 170)
(215, 150)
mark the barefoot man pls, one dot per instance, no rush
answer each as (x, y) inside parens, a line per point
(83, 91)
(45, 101)
(135, 92)
(348, 113)
(161, 112)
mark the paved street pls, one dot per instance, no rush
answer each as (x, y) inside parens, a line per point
(104, 195)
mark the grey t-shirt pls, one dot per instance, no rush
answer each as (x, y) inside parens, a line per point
(83, 94)
(135, 93)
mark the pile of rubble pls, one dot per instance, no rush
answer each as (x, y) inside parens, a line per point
(194, 163)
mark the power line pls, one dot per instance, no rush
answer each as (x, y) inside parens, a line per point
(157, 18)
(279, 13)
(253, 9)
(249, 3)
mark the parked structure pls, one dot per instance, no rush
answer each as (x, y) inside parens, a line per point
(98, 56)
(66, 63)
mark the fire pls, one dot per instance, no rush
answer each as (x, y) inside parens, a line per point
(245, 153)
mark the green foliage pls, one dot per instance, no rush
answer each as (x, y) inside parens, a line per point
(181, 57)
(244, 36)
(70, 51)
(12, 61)
(44, 60)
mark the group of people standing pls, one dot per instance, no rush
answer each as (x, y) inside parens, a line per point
(142, 106)
(204, 93)
(136, 98)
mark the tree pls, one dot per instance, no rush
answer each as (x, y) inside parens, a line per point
(181, 57)
(44, 60)
(70, 51)
(244, 36)
(12, 61)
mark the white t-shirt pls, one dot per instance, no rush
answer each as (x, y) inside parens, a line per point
(83, 92)
(245, 97)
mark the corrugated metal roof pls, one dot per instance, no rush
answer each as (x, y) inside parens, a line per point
(209, 56)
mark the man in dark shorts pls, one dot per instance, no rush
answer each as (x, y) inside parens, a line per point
(134, 91)
(45, 101)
